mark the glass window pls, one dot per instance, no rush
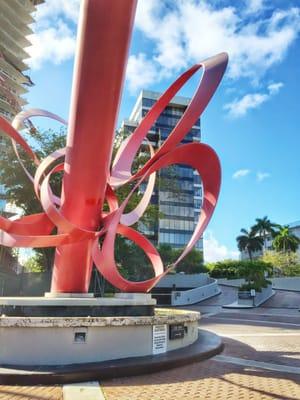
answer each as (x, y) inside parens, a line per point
(148, 102)
(198, 203)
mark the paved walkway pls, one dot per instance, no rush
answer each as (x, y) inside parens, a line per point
(282, 300)
(261, 360)
(210, 380)
(30, 393)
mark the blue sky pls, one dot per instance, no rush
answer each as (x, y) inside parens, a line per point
(253, 120)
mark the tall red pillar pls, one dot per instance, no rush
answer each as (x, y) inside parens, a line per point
(104, 33)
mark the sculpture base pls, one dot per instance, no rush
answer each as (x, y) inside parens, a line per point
(61, 341)
(66, 305)
(207, 345)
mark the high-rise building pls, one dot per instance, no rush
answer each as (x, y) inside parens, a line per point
(178, 193)
(15, 19)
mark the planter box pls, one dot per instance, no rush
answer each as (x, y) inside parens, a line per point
(244, 298)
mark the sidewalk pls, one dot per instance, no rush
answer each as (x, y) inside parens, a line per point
(208, 380)
(30, 393)
(260, 362)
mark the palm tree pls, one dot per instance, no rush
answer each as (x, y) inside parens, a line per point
(286, 241)
(250, 242)
(263, 228)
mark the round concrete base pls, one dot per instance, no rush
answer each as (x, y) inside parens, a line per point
(206, 346)
(76, 340)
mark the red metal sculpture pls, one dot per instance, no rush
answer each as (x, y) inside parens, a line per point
(103, 40)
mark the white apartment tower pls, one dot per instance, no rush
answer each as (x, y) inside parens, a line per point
(15, 20)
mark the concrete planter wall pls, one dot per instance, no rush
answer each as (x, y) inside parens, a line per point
(285, 283)
(231, 282)
(192, 288)
(244, 298)
(184, 280)
(288, 283)
(195, 295)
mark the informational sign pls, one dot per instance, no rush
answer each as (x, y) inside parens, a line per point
(159, 343)
(176, 332)
(252, 292)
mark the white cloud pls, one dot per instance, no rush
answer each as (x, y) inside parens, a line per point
(240, 106)
(254, 6)
(214, 251)
(57, 8)
(54, 37)
(54, 44)
(140, 72)
(240, 173)
(261, 176)
(184, 32)
(275, 87)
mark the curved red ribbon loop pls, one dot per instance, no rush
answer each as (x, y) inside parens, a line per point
(198, 156)
(35, 230)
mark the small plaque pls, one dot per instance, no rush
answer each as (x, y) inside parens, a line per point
(176, 331)
(80, 335)
(159, 343)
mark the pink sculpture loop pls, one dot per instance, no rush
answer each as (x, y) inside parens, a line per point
(35, 230)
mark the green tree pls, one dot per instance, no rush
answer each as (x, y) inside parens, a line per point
(264, 227)
(34, 263)
(286, 241)
(249, 241)
(252, 271)
(168, 255)
(283, 263)
(192, 262)
(18, 188)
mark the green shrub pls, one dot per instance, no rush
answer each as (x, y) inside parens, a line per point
(246, 287)
(285, 263)
(292, 270)
(257, 286)
(234, 269)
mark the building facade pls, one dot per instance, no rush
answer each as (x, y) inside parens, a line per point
(15, 19)
(178, 193)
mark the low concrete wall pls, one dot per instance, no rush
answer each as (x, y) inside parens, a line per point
(192, 296)
(260, 298)
(288, 283)
(231, 282)
(53, 341)
(184, 280)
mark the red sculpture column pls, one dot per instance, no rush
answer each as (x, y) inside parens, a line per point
(104, 33)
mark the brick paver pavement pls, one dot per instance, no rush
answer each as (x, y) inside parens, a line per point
(209, 380)
(30, 392)
(255, 337)
(214, 380)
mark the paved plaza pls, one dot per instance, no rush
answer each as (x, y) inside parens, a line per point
(261, 360)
